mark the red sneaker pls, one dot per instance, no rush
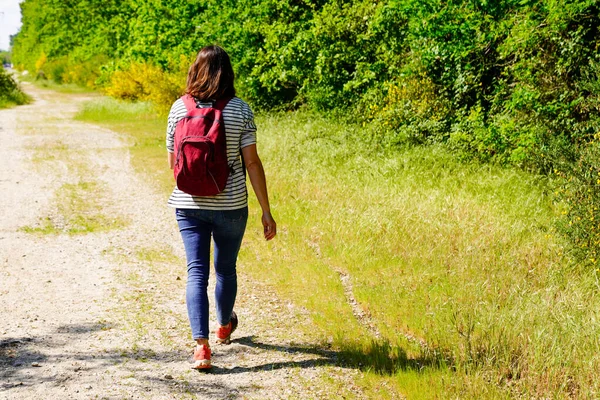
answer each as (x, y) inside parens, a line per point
(202, 357)
(224, 332)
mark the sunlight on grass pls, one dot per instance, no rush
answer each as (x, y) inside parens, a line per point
(461, 258)
(142, 128)
(461, 255)
(70, 88)
(76, 213)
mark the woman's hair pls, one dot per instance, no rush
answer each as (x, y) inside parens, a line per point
(211, 75)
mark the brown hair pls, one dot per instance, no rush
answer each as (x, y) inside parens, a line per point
(211, 76)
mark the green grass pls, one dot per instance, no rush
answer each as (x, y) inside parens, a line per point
(68, 88)
(75, 213)
(144, 130)
(463, 256)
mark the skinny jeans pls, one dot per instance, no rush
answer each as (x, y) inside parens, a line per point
(226, 228)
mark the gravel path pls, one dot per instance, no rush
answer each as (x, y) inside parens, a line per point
(99, 312)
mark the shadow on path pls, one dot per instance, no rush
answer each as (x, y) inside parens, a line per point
(378, 357)
(20, 356)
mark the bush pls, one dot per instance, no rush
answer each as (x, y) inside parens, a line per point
(578, 193)
(147, 82)
(56, 69)
(67, 70)
(10, 93)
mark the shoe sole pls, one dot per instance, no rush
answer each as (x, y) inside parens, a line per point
(234, 324)
(202, 364)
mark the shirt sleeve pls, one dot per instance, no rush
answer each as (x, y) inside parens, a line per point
(248, 136)
(171, 123)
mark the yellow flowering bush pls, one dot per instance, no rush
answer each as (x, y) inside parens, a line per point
(148, 82)
(41, 61)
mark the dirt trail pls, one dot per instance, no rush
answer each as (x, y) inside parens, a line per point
(101, 314)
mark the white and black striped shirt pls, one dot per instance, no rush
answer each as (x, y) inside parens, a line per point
(240, 131)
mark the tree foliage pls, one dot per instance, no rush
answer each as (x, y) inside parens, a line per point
(499, 80)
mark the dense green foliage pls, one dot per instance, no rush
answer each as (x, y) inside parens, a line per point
(502, 80)
(515, 82)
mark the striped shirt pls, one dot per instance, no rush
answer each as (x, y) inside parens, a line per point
(240, 132)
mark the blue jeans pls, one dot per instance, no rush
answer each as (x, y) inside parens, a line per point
(227, 230)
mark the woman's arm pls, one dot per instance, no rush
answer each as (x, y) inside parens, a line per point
(259, 184)
(171, 160)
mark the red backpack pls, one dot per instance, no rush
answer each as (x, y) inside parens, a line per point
(201, 167)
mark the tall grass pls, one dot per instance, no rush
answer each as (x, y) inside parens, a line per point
(461, 255)
(456, 266)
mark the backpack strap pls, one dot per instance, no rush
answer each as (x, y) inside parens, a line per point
(221, 103)
(189, 102)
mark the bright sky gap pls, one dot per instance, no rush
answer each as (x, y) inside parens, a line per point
(10, 21)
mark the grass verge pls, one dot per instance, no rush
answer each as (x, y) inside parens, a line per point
(68, 88)
(436, 278)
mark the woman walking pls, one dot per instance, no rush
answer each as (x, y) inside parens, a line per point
(221, 217)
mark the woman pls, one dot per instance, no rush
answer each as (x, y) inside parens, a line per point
(222, 217)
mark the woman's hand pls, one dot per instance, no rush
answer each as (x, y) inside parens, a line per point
(259, 184)
(270, 226)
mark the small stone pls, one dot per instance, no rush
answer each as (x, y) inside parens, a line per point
(169, 377)
(36, 364)
(178, 279)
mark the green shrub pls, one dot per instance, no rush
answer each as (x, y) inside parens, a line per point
(10, 93)
(408, 110)
(578, 191)
(56, 69)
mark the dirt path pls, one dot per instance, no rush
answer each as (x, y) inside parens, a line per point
(92, 281)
